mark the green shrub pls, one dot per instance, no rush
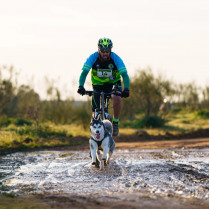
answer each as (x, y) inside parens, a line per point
(22, 122)
(6, 121)
(46, 131)
(152, 121)
(42, 131)
(202, 113)
(176, 110)
(16, 121)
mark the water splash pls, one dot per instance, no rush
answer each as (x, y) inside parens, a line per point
(172, 172)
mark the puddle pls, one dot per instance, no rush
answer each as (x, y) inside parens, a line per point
(172, 172)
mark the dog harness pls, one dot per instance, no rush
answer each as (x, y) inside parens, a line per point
(100, 142)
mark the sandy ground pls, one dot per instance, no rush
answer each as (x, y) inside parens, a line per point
(67, 201)
(131, 143)
(77, 202)
(165, 144)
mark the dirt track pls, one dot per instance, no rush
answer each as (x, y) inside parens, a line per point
(165, 144)
(143, 193)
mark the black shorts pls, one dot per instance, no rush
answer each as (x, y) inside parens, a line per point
(107, 87)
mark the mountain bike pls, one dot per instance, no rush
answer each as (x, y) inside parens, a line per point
(102, 111)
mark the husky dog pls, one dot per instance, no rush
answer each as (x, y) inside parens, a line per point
(101, 142)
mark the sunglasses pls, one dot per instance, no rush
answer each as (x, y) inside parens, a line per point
(105, 50)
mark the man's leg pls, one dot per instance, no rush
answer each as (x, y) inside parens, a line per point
(117, 107)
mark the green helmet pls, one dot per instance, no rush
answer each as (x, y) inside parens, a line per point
(105, 43)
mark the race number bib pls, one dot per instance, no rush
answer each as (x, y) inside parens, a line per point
(104, 73)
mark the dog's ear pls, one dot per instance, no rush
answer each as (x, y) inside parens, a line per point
(99, 118)
(91, 120)
(101, 122)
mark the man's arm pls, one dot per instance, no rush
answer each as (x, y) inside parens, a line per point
(85, 70)
(87, 67)
(126, 80)
(82, 78)
(122, 69)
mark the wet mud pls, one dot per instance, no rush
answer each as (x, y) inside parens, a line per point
(135, 178)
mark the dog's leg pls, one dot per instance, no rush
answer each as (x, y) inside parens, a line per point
(109, 154)
(102, 165)
(105, 147)
(108, 158)
(93, 147)
(99, 157)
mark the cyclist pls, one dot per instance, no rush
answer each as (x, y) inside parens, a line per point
(106, 70)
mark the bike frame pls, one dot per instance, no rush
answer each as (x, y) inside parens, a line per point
(104, 100)
(104, 103)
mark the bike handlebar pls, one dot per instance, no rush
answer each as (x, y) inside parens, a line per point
(90, 93)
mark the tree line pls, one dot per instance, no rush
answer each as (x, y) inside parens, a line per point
(149, 94)
(154, 94)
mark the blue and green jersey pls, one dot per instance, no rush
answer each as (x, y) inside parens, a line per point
(109, 71)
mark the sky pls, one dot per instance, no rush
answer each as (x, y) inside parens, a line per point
(51, 39)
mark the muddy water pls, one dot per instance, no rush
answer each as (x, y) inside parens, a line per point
(179, 173)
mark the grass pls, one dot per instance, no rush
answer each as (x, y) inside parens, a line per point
(176, 123)
(50, 134)
(187, 120)
(46, 135)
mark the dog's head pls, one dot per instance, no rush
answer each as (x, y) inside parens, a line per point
(97, 129)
